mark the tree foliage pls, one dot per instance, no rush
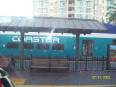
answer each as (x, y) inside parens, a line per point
(112, 14)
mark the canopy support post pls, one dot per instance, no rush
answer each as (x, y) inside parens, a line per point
(21, 47)
(78, 44)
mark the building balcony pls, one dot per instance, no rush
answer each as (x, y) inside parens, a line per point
(71, 5)
(71, 12)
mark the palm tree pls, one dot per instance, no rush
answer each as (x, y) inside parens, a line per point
(112, 14)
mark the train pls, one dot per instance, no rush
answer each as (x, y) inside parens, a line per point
(55, 45)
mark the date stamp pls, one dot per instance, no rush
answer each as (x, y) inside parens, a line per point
(100, 77)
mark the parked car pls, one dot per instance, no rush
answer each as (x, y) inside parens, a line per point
(5, 81)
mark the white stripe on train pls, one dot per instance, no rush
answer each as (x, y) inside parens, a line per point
(96, 35)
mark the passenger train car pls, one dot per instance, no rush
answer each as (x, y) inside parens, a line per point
(52, 45)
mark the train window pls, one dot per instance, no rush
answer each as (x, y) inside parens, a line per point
(43, 46)
(87, 47)
(58, 47)
(28, 46)
(114, 41)
(12, 45)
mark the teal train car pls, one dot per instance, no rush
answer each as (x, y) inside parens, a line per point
(52, 45)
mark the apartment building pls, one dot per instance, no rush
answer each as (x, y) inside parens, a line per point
(85, 9)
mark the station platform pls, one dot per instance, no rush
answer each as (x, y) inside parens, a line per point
(65, 79)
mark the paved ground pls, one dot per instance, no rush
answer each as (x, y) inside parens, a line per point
(94, 75)
(66, 78)
(66, 86)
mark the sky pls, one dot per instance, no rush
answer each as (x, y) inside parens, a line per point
(16, 8)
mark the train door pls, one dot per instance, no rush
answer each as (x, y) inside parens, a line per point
(87, 48)
(112, 56)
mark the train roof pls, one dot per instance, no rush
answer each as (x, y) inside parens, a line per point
(36, 33)
(111, 28)
(99, 35)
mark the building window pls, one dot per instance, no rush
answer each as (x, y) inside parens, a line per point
(114, 41)
(45, 10)
(88, 10)
(110, 2)
(79, 15)
(61, 3)
(12, 45)
(42, 4)
(87, 47)
(58, 47)
(28, 46)
(96, 2)
(79, 4)
(71, 9)
(88, 0)
(86, 16)
(70, 1)
(42, 10)
(61, 10)
(88, 3)
(79, 10)
(70, 15)
(43, 46)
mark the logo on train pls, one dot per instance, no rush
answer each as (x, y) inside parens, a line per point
(37, 39)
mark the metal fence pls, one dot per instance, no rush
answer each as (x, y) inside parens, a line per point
(94, 63)
(18, 64)
(73, 64)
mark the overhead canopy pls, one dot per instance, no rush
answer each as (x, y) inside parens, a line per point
(48, 24)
